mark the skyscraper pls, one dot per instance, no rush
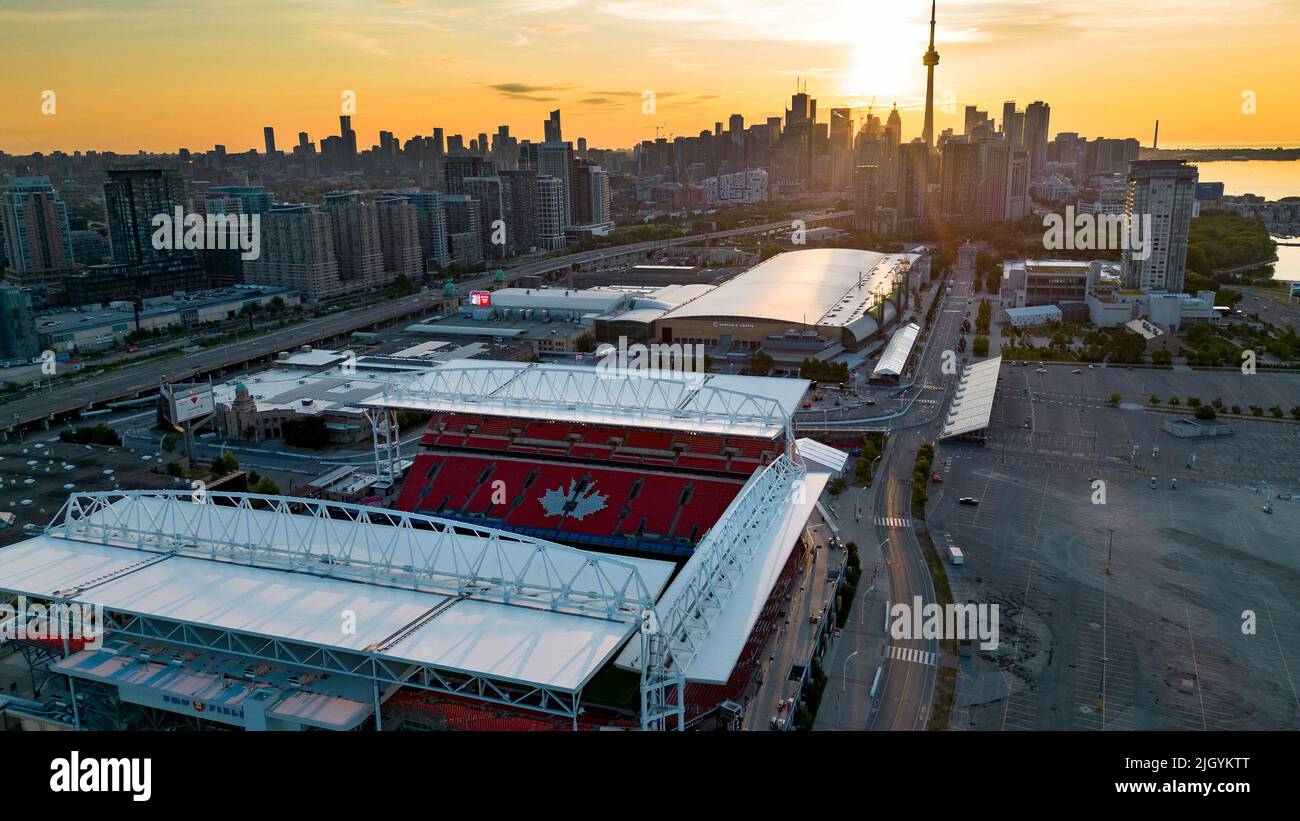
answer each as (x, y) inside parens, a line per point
(1164, 191)
(930, 60)
(132, 198)
(399, 237)
(268, 134)
(356, 240)
(1037, 115)
(551, 128)
(34, 226)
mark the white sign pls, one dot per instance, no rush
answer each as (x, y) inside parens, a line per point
(191, 402)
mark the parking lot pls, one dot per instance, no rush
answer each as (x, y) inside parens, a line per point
(1159, 641)
(34, 476)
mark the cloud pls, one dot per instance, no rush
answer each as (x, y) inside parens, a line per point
(546, 28)
(360, 42)
(524, 88)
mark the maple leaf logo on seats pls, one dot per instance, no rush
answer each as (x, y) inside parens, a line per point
(558, 501)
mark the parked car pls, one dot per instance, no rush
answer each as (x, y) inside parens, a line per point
(968, 500)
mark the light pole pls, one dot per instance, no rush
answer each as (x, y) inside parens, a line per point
(844, 675)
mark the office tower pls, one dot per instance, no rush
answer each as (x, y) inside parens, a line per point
(582, 147)
(930, 60)
(736, 127)
(1164, 191)
(303, 143)
(399, 237)
(841, 131)
(551, 204)
(297, 252)
(456, 169)
(866, 198)
(519, 193)
(431, 223)
(551, 128)
(349, 138)
(34, 227)
(268, 136)
(356, 240)
(464, 229)
(973, 119)
(913, 183)
(1005, 188)
(961, 180)
(1036, 123)
(1008, 111)
(132, 198)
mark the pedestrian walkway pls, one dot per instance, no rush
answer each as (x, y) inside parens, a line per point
(893, 521)
(913, 655)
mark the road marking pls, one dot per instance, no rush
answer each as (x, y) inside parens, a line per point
(913, 655)
(892, 521)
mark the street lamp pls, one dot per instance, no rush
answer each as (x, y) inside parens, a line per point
(844, 675)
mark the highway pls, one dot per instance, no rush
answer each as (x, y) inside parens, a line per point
(132, 380)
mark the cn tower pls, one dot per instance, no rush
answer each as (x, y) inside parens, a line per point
(930, 60)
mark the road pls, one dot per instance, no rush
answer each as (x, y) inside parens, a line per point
(910, 666)
(132, 380)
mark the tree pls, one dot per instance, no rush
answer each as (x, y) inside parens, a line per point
(309, 432)
(981, 346)
(1205, 412)
(1193, 402)
(1113, 400)
(1236, 410)
(224, 465)
(1276, 410)
(1155, 400)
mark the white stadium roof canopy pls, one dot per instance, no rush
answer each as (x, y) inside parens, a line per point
(700, 403)
(972, 401)
(449, 598)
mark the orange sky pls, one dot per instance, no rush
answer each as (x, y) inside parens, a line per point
(161, 74)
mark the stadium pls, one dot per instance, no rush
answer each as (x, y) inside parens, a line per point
(567, 552)
(847, 296)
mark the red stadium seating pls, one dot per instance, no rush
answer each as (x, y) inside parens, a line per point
(648, 440)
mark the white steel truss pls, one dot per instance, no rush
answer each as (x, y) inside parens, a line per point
(724, 555)
(360, 543)
(664, 398)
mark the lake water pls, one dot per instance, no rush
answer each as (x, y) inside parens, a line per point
(1270, 179)
(1288, 260)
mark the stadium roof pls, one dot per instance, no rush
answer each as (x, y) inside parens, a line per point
(754, 537)
(446, 596)
(833, 459)
(972, 402)
(817, 287)
(894, 359)
(702, 403)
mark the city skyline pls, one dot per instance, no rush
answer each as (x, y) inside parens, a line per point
(415, 65)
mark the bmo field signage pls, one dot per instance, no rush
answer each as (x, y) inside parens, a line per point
(480, 299)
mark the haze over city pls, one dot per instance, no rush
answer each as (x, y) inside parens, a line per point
(221, 71)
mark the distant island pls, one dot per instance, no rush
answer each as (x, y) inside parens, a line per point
(1213, 154)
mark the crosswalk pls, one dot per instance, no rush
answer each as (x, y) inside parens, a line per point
(914, 656)
(893, 521)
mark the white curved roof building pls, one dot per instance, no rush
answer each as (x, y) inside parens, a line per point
(837, 291)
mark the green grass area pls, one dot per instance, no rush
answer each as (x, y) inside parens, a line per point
(945, 687)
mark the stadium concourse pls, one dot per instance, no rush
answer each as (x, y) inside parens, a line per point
(569, 551)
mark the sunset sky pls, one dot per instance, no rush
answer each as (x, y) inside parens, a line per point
(162, 74)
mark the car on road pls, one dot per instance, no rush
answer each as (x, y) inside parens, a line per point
(968, 500)
(1077, 370)
(937, 479)
(1042, 370)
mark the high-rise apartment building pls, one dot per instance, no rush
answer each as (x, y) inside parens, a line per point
(297, 252)
(1165, 192)
(1037, 116)
(34, 227)
(399, 237)
(356, 241)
